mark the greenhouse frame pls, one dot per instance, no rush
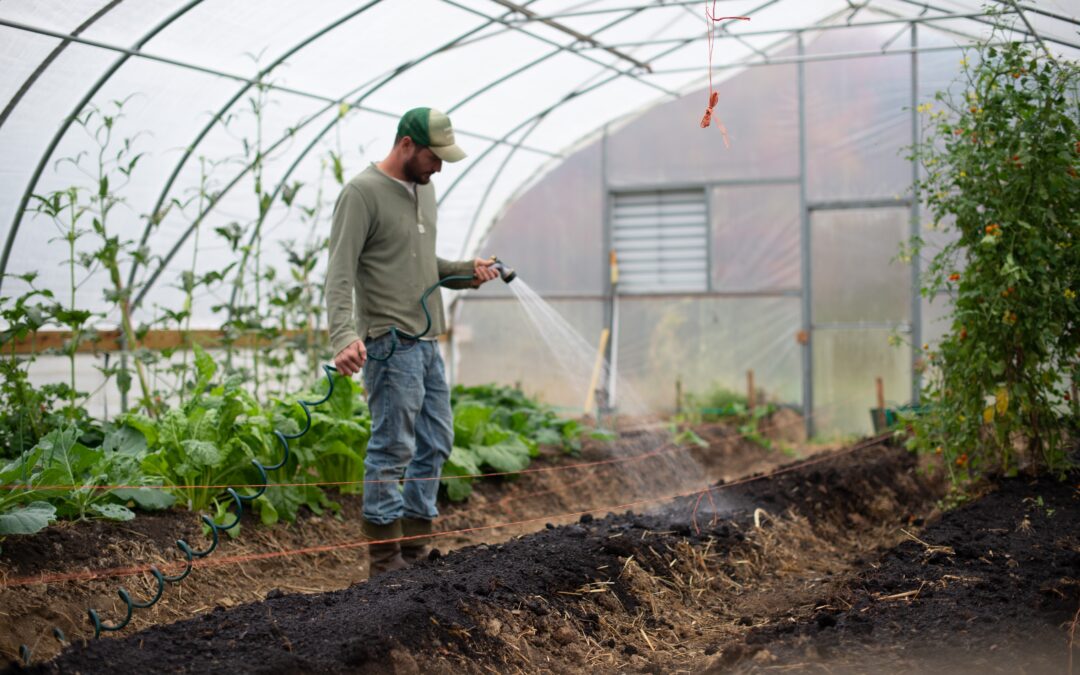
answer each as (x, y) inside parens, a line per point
(774, 246)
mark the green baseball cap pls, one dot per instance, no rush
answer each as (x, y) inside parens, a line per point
(431, 128)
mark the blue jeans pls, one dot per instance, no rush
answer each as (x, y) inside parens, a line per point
(412, 429)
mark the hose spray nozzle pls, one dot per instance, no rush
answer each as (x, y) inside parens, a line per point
(506, 273)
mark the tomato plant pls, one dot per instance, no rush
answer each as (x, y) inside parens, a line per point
(1001, 166)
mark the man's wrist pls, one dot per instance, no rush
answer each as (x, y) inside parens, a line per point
(340, 343)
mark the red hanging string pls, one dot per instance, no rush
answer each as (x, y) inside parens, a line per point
(714, 96)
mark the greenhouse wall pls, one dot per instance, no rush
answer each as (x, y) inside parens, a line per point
(858, 212)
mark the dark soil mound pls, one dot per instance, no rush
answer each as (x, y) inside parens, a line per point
(69, 546)
(993, 586)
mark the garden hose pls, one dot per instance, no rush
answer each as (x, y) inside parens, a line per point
(507, 274)
(191, 554)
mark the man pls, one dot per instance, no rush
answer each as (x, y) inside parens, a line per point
(382, 254)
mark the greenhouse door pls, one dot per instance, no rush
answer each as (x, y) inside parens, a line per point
(861, 313)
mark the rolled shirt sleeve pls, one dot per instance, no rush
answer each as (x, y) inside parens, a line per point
(449, 268)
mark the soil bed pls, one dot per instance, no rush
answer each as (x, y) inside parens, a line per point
(675, 589)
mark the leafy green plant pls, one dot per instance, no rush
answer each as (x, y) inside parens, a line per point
(27, 413)
(499, 429)
(720, 404)
(1001, 174)
(208, 441)
(64, 474)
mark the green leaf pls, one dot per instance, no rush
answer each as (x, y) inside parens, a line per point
(466, 461)
(469, 422)
(65, 457)
(199, 455)
(127, 441)
(148, 499)
(571, 429)
(493, 434)
(342, 403)
(511, 455)
(548, 436)
(268, 515)
(690, 437)
(457, 488)
(34, 517)
(20, 471)
(113, 512)
(205, 367)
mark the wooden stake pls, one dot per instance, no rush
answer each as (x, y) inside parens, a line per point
(598, 367)
(751, 398)
(678, 395)
(880, 403)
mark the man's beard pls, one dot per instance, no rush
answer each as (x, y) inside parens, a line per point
(413, 173)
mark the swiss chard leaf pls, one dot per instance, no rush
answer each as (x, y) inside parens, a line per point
(29, 519)
(113, 512)
(148, 499)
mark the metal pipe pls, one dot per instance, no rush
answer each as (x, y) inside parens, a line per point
(1023, 17)
(804, 254)
(664, 4)
(838, 56)
(47, 61)
(842, 204)
(724, 34)
(988, 22)
(916, 267)
(602, 64)
(587, 39)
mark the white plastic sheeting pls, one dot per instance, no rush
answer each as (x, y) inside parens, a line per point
(858, 126)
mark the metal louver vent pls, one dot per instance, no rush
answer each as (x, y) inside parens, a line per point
(662, 241)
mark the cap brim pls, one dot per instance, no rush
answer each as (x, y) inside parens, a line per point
(448, 153)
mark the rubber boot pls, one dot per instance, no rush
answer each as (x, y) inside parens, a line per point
(384, 557)
(419, 548)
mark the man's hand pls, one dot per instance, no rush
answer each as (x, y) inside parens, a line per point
(350, 360)
(483, 271)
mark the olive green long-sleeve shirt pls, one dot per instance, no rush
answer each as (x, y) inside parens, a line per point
(382, 259)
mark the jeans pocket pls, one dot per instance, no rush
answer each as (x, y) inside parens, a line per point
(382, 347)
